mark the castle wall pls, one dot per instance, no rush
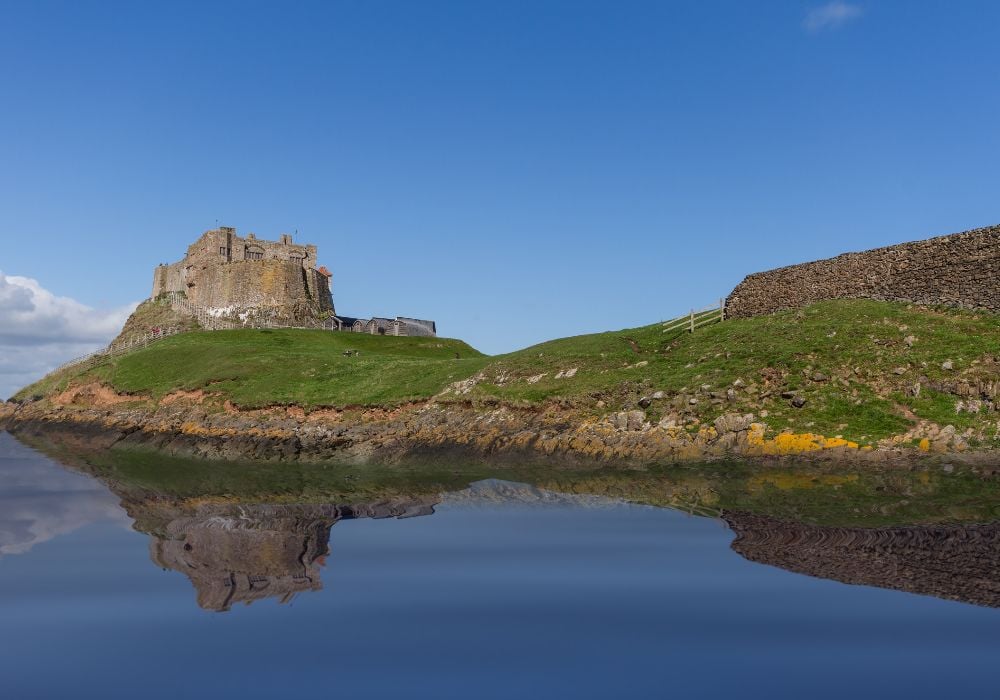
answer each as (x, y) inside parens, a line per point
(257, 283)
(226, 272)
(961, 270)
(168, 278)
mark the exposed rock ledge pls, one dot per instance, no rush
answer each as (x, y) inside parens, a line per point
(196, 424)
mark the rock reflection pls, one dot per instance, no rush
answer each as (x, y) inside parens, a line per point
(955, 562)
(240, 554)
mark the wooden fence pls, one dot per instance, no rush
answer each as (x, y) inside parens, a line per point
(117, 349)
(697, 318)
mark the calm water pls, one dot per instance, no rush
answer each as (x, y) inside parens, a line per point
(496, 591)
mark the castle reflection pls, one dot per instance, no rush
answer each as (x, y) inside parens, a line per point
(240, 554)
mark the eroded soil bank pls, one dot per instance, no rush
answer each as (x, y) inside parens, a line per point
(202, 425)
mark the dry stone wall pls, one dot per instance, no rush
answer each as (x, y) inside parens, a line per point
(961, 270)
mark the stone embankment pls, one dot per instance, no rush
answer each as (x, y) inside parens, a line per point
(197, 424)
(960, 270)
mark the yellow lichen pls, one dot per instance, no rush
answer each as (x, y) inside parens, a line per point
(791, 443)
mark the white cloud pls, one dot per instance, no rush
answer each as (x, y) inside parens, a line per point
(41, 501)
(832, 15)
(39, 330)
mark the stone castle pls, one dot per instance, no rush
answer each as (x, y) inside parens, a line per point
(253, 282)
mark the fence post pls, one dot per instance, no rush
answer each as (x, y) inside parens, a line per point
(692, 320)
(722, 309)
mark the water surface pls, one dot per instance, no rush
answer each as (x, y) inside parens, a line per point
(494, 590)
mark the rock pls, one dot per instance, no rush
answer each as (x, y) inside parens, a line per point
(788, 394)
(636, 420)
(799, 401)
(948, 468)
(909, 340)
(914, 390)
(819, 377)
(693, 402)
(658, 395)
(738, 384)
(601, 404)
(947, 364)
(733, 423)
(668, 422)
(730, 395)
(620, 420)
(900, 370)
(645, 402)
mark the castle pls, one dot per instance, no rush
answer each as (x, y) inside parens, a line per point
(236, 281)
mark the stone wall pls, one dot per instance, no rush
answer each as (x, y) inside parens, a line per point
(255, 284)
(961, 270)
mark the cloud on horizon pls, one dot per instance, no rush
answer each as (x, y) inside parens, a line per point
(830, 16)
(39, 330)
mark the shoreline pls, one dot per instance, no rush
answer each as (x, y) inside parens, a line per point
(192, 425)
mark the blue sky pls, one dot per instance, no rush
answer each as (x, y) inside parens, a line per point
(515, 170)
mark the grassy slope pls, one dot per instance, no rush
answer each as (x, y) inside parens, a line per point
(856, 344)
(265, 367)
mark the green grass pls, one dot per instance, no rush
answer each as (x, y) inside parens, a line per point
(255, 368)
(859, 346)
(856, 344)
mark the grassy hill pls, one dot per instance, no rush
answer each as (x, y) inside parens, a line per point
(862, 369)
(855, 362)
(309, 368)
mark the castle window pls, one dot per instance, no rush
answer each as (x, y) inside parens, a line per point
(251, 254)
(223, 251)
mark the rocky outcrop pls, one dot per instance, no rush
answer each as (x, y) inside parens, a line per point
(194, 424)
(192, 427)
(956, 562)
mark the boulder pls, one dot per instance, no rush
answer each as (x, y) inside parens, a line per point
(636, 420)
(733, 423)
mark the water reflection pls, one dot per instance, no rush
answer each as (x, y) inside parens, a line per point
(243, 533)
(240, 554)
(39, 502)
(955, 562)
